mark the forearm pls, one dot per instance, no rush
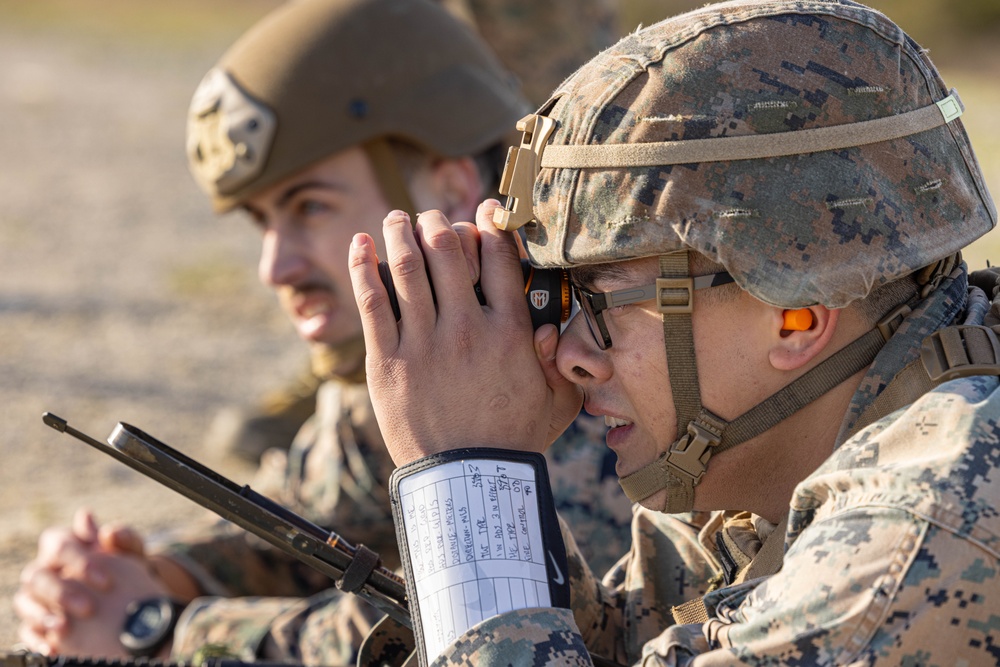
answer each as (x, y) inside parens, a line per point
(224, 560)
(179, 582)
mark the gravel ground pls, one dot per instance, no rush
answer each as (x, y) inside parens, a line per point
(122, 298)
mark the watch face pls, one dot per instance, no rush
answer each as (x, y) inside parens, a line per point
(146, 620)
(148, 625)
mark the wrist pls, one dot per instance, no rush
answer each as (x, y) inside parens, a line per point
(478, 532)
(148, 630)
(178, 581)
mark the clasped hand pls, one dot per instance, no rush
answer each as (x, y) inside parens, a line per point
(453, 373)
(72, 597)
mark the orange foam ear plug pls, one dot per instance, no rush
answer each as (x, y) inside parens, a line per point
(798, 320)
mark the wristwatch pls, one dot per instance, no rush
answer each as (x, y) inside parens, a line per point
(149, 624)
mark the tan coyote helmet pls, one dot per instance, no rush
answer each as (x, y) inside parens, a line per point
(318, 76)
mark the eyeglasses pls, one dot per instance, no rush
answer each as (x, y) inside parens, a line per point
(594, 304)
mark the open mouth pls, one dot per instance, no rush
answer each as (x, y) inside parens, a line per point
(615, 422)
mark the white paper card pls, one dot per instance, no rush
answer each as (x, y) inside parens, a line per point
(475, 544)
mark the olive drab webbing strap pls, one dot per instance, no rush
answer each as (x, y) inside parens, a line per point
(949, 353)
(769, 559)
(766, 562)
(788, 400)
(390, 177)
(534, 153)
(692, 611)
(674, 295)
(680, 468)
(710, 435)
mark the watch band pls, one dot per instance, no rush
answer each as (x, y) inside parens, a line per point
(149, 625)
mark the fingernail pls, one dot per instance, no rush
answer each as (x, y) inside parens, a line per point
(548, 349)
(52, 622)
(359, 241)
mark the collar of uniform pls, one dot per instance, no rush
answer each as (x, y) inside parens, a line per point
(938, 310)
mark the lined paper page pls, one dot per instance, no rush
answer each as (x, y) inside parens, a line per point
(475, 544)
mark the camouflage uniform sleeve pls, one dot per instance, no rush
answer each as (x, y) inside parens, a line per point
(525, 637)
(325, 629)
(669, 563)
(866, 586)
(331, 476)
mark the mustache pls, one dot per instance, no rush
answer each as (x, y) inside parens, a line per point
(306, 287)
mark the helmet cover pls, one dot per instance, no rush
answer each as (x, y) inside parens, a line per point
(822, 227)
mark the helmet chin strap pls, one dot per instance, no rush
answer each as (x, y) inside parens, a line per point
(681, 467)
(390, 176)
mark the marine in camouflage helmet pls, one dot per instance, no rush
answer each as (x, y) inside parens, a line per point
(811, 174)
(704, 179)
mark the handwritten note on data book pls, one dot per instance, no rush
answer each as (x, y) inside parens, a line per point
(475, 544)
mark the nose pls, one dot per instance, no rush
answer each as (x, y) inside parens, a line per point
(282, 258)
(578, 358)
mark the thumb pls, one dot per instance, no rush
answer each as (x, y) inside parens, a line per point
(567, 398)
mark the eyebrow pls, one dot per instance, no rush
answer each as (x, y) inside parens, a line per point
(586, 276)
(288, 194)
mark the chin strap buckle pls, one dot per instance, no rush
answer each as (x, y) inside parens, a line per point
(690, 454)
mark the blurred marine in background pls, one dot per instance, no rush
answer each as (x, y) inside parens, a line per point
(541, 43)
(319, 120)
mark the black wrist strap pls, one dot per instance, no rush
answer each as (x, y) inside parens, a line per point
(478, 536)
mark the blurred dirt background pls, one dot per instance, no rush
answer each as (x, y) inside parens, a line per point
(122, 298)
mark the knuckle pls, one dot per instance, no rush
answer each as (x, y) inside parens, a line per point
(445, 239)
(54, 543)
(357, 260)
(407, 263)
(371, 301)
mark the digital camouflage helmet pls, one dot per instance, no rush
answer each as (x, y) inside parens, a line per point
(810, 147)
(318, 76)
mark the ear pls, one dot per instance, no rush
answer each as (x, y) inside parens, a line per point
(790, 349)
(454, 184)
